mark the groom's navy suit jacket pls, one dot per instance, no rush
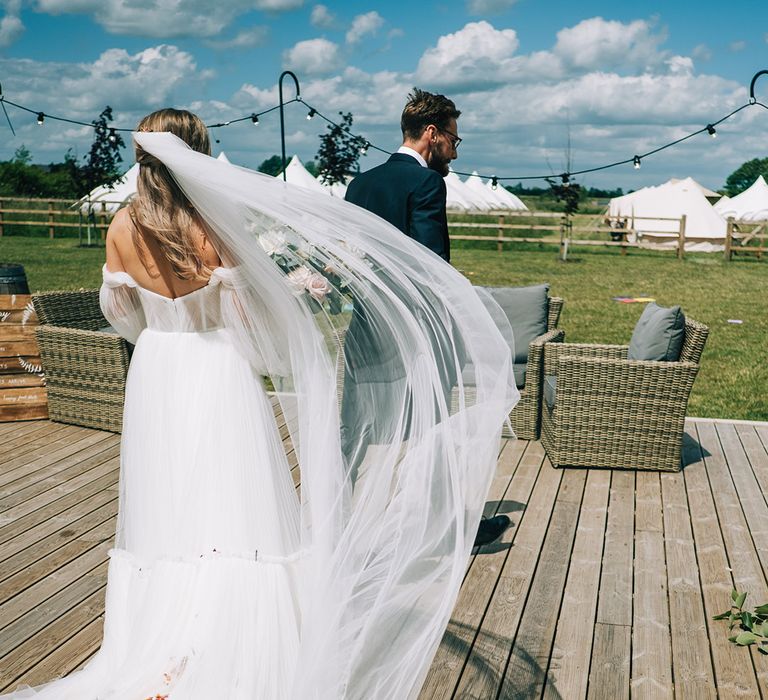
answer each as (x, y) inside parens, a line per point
(407, 195)
(412, 198)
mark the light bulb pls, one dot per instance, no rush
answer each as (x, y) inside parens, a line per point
(636, 162)
(311, 113)
(255, 119)
(40, 118)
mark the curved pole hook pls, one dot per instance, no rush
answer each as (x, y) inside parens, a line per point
(282, 117)
(752, 99)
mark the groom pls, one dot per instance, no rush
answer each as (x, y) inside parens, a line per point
(409, 191)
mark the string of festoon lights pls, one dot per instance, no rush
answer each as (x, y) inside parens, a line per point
(365, 145)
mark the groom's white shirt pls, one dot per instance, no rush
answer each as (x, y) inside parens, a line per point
(415, 154)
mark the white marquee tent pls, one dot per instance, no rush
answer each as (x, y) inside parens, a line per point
(297, 174)
(750, 205)
(705, 228)
(506, 199)
(459, 197)
(103, 198)
(484, 198)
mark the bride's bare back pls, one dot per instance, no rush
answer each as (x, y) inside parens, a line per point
(156, 275)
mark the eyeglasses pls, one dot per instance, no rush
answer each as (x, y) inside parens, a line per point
(455, 140)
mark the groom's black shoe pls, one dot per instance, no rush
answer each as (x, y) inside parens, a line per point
(491, 529)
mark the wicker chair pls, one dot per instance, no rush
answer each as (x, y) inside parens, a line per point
(85, 368)
(604, 410)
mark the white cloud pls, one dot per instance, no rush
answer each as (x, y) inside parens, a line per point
(313, 57)
(701, 52)
(599, 44)
(245, 39)
(363, 25)
(322, 17)
(488, 7)
(11, 26)
(737, 46)
(169, 18)
(478, 54)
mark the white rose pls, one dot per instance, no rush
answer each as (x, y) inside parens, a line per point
(273, 243)
(298, 279)
(318, 286)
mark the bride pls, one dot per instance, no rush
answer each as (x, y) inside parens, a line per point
(225, 580)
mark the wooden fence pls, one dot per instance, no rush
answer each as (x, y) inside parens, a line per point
(746, 237)
(54, 216)
(564, 231)
(62, 217)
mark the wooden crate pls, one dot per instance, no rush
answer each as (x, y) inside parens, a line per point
(22, 383)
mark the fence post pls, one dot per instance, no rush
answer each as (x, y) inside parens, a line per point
(500, 244)
(728, 239)
(51, 228)
(1, 218)
(563, 238)
(681, 242)
(103, 224)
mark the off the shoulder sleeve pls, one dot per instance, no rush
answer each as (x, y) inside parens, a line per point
(120, 304)
(258, 336)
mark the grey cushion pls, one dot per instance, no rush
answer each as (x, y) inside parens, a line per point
(526, 308)
(658, 335)
(550, 390)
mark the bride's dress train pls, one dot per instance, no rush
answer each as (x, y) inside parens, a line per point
(201, 596)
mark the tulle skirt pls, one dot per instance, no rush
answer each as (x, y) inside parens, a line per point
(202, 584)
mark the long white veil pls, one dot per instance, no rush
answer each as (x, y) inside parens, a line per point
(364, 334)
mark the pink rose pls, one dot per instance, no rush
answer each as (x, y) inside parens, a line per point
(298, 279)
(317, 286)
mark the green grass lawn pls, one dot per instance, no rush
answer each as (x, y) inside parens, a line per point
(733, 382)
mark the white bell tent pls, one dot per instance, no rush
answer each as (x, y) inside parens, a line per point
(507, 200)
(110, 199)
(297, 174)
(458, 196)
(484, 198)
(750, 205)
(704, 231)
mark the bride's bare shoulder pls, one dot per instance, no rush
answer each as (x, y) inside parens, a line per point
(120, 245)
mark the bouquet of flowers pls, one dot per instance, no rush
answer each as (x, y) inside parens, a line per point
(306, 274)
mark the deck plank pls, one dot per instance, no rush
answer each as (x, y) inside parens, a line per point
(568, 672)
(611, 647)
(694, 675)
(24, 665)
(92, 451)
(651, 675)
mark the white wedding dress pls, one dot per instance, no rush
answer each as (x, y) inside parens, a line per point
(201, 599)
(224, 582)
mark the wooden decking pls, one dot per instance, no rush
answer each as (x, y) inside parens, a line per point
(604, 587)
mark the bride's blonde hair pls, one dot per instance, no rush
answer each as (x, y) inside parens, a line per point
(160, 210)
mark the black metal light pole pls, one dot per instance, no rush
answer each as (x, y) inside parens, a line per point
(282, 118)
(752, 99)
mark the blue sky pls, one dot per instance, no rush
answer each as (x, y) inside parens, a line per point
(617, 78)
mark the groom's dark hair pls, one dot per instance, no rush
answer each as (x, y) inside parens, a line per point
(422, 109)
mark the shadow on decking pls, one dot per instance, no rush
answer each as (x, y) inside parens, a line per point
(693, 451)
(488, 656)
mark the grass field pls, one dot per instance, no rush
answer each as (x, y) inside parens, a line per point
(733, 382)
